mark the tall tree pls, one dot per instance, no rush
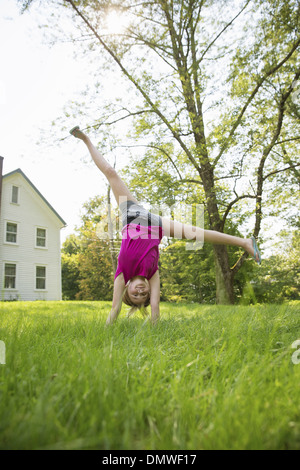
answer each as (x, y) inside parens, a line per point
(217, 79)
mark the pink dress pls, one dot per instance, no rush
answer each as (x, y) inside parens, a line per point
(139, 252)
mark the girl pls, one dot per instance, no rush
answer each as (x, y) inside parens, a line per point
(137, 280)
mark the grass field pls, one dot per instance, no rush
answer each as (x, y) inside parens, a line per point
(206, 377)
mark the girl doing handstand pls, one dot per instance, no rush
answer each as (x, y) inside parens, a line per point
(137, 281)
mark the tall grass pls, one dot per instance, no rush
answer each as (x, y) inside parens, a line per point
(206, 377)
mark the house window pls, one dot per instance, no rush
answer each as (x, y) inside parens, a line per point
(40, 282)
(15, 195)
(41, 237)
(10, 271)
(11, 232)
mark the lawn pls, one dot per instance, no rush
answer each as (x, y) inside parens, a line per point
(206, 377)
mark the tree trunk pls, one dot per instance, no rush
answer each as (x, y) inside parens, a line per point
(224, 275)
(224, 278)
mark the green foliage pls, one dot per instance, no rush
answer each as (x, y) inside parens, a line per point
(87, 271)
(96, 274)
(187, 275)
(279, 279)
(71, 246)
(70, 267)
(24, 4)
(205, 378)
(70, 276)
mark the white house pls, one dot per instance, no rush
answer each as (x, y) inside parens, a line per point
(30, 257)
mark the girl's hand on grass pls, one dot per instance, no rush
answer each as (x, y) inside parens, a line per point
(155, 315)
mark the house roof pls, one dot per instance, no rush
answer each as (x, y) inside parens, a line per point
(37, 191)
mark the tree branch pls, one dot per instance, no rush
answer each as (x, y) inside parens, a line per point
(251, 97)
(232, 203)
(260, 176)
(136, 84)
(287, 140)
(223, 30)
(266, 153)
(155, 47)
(281, 170)
(156, 147)
(130, 114)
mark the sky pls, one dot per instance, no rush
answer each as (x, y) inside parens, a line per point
(36, 82)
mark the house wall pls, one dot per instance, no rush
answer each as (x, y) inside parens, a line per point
(30, 213)
(1, 169)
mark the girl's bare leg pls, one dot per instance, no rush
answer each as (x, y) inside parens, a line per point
(189, 232)
(120, 190)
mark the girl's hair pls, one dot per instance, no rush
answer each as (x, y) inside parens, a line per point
(134, 307)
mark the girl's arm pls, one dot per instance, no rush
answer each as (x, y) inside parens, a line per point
(155, 297)
(119, 286)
